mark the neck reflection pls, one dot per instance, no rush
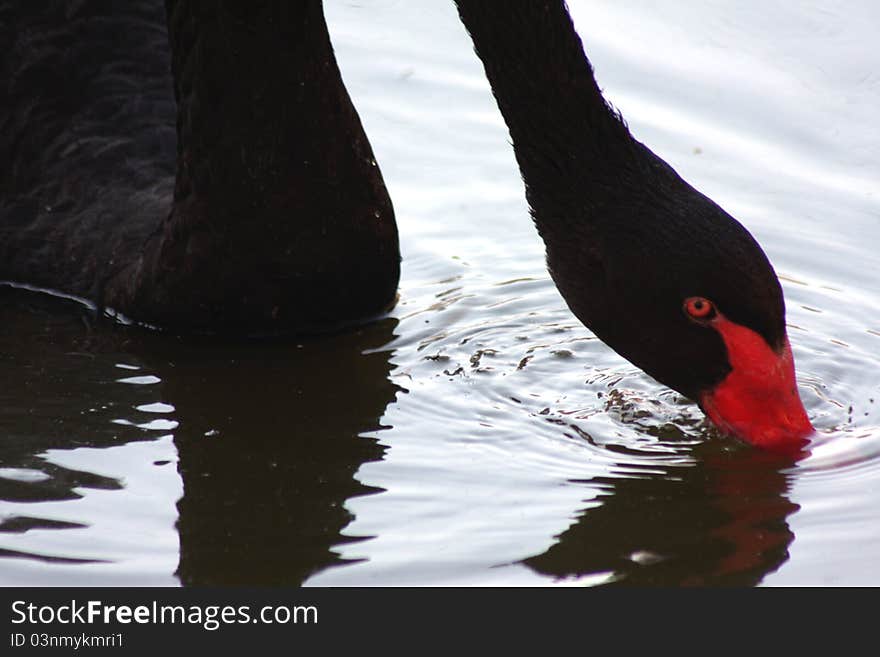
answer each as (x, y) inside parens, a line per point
(721, 521)
(269, 442)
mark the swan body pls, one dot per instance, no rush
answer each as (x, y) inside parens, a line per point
(197, 167)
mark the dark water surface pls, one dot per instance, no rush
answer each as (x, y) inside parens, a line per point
(480, 435)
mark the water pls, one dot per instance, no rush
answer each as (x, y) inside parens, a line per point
(480, 435)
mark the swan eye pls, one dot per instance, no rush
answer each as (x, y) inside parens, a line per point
(699, 308)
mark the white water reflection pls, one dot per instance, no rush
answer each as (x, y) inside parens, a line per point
(121, 534)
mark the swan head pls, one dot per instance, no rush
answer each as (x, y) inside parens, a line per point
(757, 400)
(678, 287)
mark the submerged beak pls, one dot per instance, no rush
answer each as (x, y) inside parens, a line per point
(757, 401)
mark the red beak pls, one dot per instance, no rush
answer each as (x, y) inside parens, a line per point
(758, 401)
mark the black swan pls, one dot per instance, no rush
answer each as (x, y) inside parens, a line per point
(279, 219)
(655, 269)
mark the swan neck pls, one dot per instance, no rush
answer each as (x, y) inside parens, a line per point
(565, 135)
(243, 74)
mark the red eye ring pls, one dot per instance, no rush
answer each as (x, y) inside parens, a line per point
(699, 308)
